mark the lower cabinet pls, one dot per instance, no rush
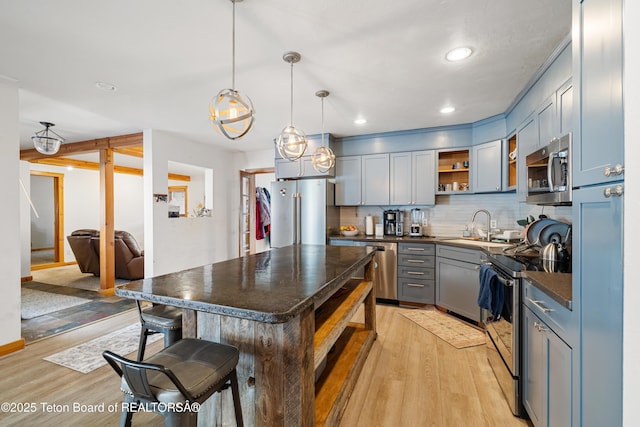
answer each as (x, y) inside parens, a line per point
(457, 280)
(547, 373)
(416, 272)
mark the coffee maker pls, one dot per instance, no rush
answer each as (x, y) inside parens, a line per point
(390, 222)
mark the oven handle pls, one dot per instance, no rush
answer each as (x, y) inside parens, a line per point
(505, 282)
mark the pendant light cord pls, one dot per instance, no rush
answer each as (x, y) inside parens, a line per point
(322, 115)
(233, 48)
(291, 118)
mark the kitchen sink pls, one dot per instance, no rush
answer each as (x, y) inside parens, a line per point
(482, 243)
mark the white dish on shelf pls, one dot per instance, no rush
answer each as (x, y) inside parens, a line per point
(349, 233)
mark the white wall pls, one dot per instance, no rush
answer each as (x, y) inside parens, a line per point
(82, 202)
(25, 224)
(175, 244)
(42, 226)
(10, 227)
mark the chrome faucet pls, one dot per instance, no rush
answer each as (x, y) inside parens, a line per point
(488, 229)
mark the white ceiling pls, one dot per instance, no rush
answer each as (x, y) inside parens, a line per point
(382, 60)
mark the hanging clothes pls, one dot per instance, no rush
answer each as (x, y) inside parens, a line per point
(263, 213)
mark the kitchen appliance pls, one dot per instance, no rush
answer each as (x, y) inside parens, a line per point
(302, 211)
(549, 173)
(386, 273)
(504, 334)
(400, 224)
(417, 216)
(390, 222)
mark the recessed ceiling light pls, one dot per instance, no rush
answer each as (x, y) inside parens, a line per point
(107, 87)
(447, 110)
(458, 54)
(360, 121)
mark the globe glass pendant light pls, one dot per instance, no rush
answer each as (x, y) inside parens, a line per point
(292, 142)
(323, 159)
(47, 141)
(230, 112)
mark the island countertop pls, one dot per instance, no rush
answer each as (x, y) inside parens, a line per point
(270, 287)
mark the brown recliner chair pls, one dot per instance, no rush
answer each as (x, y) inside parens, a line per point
(85, 245)
(129, 256)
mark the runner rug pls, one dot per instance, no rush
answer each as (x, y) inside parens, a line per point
(446, 327)
(88, 356)
(37, 303)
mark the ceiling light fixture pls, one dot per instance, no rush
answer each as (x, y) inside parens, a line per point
(47, 141)
(323, 159)
(447, 110)
(360, 121)
(106, 87)
(231, 113)
(458, 54)
(292, 142)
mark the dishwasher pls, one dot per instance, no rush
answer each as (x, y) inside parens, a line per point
(386, 274)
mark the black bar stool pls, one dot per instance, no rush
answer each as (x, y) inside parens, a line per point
(172, 380)
(159, 319)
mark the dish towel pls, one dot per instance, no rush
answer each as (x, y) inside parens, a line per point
(491, 293)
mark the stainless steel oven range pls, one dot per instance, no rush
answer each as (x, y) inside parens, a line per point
(504, 333)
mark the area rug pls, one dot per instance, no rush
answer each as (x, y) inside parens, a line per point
(88, 356)
(70, 276)
(446, 327)
(37, 303)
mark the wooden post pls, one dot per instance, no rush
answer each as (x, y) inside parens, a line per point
(107, 255)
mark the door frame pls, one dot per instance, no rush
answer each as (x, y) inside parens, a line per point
(58, 219)
(249, 175)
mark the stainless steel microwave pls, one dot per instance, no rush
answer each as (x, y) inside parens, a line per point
(549, 173)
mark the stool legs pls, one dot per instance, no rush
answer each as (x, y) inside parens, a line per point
(236, 398)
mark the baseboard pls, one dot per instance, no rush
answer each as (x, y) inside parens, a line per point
(26, 279)
(11, 347)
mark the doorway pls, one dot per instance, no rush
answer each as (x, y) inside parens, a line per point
(249, 181)
(47, 225)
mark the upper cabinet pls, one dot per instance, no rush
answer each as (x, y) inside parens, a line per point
(598, 144)
(564, 97)
(487, 167)
(510, 158)
(362, 180)
(528, 140)
(547, 129)
(412, 178)
(453, 171)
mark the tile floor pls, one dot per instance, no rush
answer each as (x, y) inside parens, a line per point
(70, 318)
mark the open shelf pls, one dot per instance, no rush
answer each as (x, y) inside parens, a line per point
(512, 172)
(448, 173)
(341, 346)
(333, 316)
(338, 379)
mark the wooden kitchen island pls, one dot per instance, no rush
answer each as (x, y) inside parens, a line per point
(289, 311)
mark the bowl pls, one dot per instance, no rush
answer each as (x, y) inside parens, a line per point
(349, 233)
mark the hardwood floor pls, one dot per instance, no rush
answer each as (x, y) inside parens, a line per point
(411, 378)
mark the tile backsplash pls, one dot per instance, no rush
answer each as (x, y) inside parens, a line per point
(451, 214)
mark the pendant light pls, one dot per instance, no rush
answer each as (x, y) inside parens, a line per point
(47, 141)
(292, 142)
(323, 159)
(231, 113)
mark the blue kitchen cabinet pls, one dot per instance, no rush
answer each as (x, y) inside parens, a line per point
(486, 175)
(598, 141)
(564, 97)
(527, 136)
(348, 181)
(547, 373)
(598, 299)
(412, 178)
(547, 129)
(362, 180)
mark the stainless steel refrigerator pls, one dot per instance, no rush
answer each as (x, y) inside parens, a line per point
(303, 211)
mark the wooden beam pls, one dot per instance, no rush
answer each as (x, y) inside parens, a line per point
(107, 253)
(83, 164)
(86, 146)
(133, 151)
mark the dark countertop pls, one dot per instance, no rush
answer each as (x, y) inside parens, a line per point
(556, 285)
(389, 239)
(270, 287)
